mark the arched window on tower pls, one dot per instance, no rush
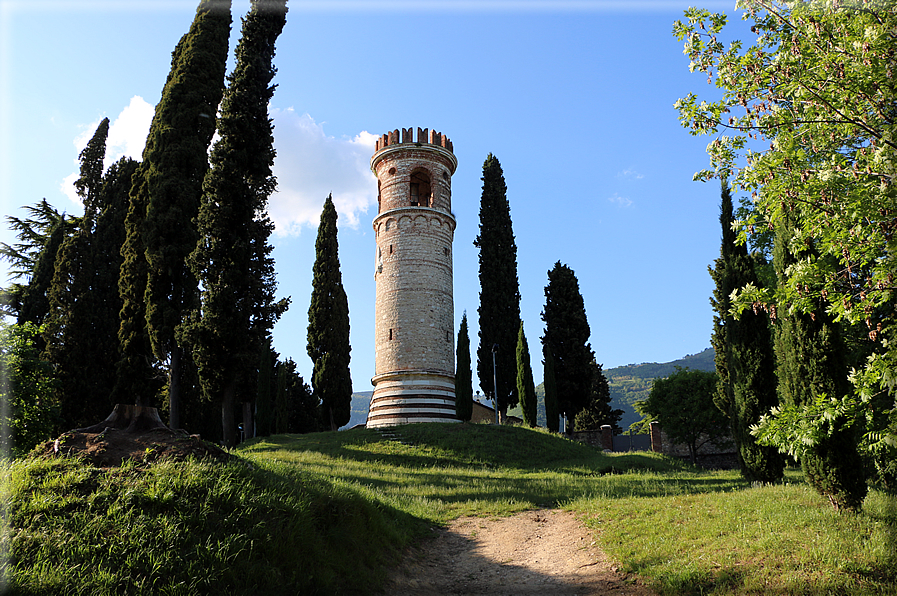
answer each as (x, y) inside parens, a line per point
(420, 188)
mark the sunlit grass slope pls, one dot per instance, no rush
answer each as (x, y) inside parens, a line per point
(327, 512)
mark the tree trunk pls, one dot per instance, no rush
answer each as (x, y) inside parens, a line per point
(131, 419)
(228, 424)
(174, 389)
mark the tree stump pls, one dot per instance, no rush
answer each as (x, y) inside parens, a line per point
(128, 418)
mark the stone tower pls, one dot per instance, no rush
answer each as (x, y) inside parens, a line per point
(414, 378)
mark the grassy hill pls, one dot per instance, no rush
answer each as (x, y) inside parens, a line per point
(325, 513)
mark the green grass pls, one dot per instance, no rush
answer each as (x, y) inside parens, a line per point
(328, 512)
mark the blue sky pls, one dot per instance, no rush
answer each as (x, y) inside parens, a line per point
(574, 98)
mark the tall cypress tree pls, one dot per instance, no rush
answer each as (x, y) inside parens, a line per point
(526, 388)
(328, 326)
(463, 374)
(749, 360)
(238, 307)
(810, 355)
(552, 416)
(567, 333)
(175, 161)
(71, 330)
(499, 311)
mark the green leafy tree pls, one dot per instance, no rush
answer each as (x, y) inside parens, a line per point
(683, 405)
(567, 334)
(552, 417)
(811, 363)
(297, 409)
(238, 307)
(463, 374)
(598, 411)
(169, 184)
(34, 302)
(526, 388)
(328, 326)
(816, 86)
(499, 310)
(266, 392)
(29, 412)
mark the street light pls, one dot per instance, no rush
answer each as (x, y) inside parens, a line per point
(495, 382)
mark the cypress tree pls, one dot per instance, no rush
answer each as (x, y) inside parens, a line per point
(238, 307)
(175, 161)
(750, 362)
(552, 421)
(567, 333)
(109, 238)
(526, 388)
(499, 310)
(328, 326)
(810, 355)
(265, 391)
(463, 374)
(72, 323)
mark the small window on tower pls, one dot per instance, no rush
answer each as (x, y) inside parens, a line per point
(390, 334)
(446, 250)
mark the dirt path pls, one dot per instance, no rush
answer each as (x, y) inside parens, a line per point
(536, 552)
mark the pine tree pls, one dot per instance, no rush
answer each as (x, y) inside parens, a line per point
(526, 388)
(567, 333)
(811, 362)
(750, 362)
(175, 161)
(328, 326)
(463, 374)
(34, 302)
(238, 307)
(499, 310)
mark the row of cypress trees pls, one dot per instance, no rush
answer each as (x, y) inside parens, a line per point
(170, 266)
(575, 385)
(789, 358)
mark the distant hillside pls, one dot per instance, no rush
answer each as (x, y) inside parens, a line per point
(632, 383)
(628, 384)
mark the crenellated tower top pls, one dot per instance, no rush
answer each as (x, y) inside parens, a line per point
(424, 136)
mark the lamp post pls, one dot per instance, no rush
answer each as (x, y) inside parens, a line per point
(495, 382)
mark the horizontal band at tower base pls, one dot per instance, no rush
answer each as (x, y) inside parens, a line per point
(412, 396)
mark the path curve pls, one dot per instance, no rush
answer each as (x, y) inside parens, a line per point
(534, 552)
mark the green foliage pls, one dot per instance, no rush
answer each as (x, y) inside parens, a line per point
(328, 326)
(499, 310)
(811, 362)
(525, 386)
(175, 161)
(552, 415)
(567, 333)
(683, 405)
(297, 408)
(598, 412)
(73, 328)
(463, 374)
(29, 410)
(747, 386)
(232, 258)
(815, 85)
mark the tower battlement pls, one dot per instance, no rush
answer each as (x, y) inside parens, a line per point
(424, 137)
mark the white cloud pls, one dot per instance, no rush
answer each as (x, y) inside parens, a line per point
(622, 202)
(630, 173)
(127, 133)
(127, 137)
(310, 165)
